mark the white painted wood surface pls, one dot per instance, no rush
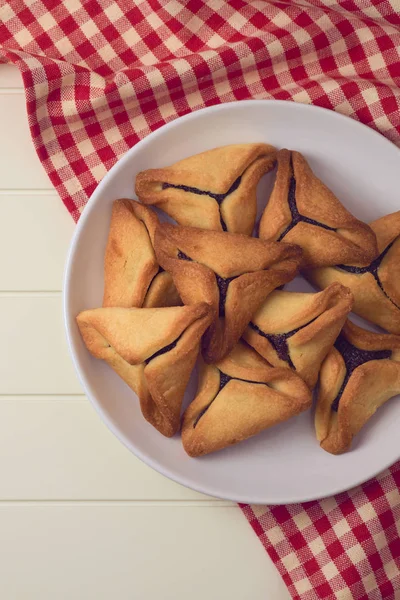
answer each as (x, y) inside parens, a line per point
(80, 517)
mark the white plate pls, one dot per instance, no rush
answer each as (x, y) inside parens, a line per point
(284, 464)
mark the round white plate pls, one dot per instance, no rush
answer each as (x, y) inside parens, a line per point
(284, 464)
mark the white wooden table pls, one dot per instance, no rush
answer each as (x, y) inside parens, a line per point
(80, 517)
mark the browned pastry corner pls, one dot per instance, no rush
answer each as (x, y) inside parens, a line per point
(239, 397)
(212, 190)
(303, 211)
(296, 330)
(375, 286)
(154, 351)
(233, 273)
(358, 376)
(132, 277)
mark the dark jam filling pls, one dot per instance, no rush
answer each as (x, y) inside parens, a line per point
(373, 269)
(160, 270)
(354, 357)
(163, 350)
(296, 216)
(279, 341)
(219, 198)
(222, 284)
(223, 380)
(184, 256)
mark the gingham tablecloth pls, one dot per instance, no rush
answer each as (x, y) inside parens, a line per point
(100, 75)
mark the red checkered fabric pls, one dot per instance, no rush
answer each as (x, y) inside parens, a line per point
(347, 546)
(101, 74)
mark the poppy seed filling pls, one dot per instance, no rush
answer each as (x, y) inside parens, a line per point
(279, 341)
(373, 269)
(160, 270)
(354, 357)
(296, 216)
(184, 256)
(163, 350)
(222, 284)
(223, 380)
(219, 198)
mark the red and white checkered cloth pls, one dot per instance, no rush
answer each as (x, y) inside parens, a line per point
(99, 75)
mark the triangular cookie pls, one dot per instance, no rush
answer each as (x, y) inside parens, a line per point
(212, 190)
(132, 276)
(233, 273)
(302, 210)
(239, 397)
(358, 376)
(154, 351)
(296, 330)
(376, 286)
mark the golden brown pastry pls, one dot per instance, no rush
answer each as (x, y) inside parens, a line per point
(358, 376)
(296, 330)
(154, 351)
(132, 276)
(303, 211)
(233, 273)
(376, 286)
(239, 397)
(212, 190)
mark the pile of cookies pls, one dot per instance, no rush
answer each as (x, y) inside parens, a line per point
(205, 290)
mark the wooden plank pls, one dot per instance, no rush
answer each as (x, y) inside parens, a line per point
(35, 231)
(57, 448)
(132, 552)
(35, 359)
(22, 168)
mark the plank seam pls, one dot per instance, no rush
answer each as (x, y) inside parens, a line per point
(206, 503)
(30, 293)
(6, 91)
(30, 191)
(73, 395)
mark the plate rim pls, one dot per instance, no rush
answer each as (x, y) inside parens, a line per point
(70, 259)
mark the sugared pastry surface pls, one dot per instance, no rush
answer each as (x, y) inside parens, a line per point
(132, 275)
(239, 397)
(212, 190)
(233, 273)
(153, 350)
(297, 330)
(302, 210)
(358, 376)
(376, 285)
